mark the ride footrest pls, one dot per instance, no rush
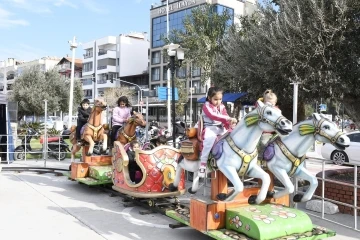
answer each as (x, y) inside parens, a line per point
(267, 221)
(100, 172)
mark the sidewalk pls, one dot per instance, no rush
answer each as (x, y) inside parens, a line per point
(31, 207)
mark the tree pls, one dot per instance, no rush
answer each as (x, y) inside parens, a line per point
(111, 95)
(34, 86)
(204, 30)
(305, 41)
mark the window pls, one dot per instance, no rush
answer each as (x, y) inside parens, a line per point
(155, 57)
(155, 86)
(159, 26)
(354, 137)
(87, 81)
(155, 74)
(196, 72)
(165, 73)
(181, 72)
(196, 86)
(88, 93)
(87, 67)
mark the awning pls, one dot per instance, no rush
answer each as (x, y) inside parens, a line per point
(228, 97)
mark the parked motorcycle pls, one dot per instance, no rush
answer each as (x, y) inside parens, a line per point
(57, 147)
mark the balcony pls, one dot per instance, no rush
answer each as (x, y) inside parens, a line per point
(106, 69)
(101, 81)
(106, 54)
(10, 77)
(88, 55)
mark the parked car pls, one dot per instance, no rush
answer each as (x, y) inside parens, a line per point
(350, 155)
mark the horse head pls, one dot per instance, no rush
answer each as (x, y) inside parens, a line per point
(100, 105)
(137, 119)
(326, 131)
(269, 118)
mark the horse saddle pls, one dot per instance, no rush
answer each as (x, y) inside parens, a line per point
(269, 152)
(190, 148)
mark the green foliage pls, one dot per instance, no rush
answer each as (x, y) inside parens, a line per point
(310, 42)
(34, 86)
(183, 96)
(203, 35)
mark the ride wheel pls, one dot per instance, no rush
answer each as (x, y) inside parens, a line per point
(151, 203)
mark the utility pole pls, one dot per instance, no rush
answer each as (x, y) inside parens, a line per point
(168, 86)
(73, 46)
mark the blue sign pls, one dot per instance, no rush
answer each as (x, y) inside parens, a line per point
(322, 107)
(162, 94)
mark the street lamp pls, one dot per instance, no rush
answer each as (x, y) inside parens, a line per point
(174, 51)
(73, 46)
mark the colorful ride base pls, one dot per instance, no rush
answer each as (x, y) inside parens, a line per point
(157, 167)
(239, 220)
(94, 170)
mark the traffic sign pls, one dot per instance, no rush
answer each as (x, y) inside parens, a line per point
(322, 107)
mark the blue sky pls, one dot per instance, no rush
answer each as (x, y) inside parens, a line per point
(31, 29)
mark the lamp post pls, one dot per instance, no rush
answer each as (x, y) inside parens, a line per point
(73, 46)
(174, 51)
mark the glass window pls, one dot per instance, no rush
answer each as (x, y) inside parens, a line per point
(196, 86)
(88, 93)
(196, 72)
(87, 67)
(155, 57)
(354, 137)
(165, 73)
(181, 72)
(155, 74)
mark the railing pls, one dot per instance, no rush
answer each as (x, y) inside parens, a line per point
(101, 81)
(101, 67)
(88, 56)
(102, 52)
(322, 180)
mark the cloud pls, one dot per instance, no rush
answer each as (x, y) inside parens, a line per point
(93, 6)
(36, 6)
(6, 20)
(60, 3)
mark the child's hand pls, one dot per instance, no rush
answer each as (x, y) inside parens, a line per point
(233, 120)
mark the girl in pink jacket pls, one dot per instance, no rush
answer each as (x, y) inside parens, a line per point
(216, 122)
(120, 115)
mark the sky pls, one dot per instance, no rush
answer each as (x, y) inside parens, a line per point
(32, 29)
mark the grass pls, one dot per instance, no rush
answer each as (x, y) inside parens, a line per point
(35, 144)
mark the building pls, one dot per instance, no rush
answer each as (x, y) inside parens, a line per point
(111, 58)
(64, 67)
(178, 10)
(14, 68)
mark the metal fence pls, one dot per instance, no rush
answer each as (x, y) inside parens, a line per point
(323, 181)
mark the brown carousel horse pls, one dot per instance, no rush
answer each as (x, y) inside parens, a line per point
(93, 131)
(127, 132)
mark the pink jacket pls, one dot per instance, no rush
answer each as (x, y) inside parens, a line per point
(120, 115)
(214, 116)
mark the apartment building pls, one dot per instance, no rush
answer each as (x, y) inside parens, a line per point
(113, 57)
(64, 67)
(178, 10)
(12, 69)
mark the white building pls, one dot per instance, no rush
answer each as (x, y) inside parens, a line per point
(13, 68)
(110, 58)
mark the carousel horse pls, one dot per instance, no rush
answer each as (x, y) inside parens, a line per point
(285, 157)
(237, 156)
(91, 132)
(126, 133)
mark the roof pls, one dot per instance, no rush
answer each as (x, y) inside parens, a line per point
(78, 61)
(228, 97)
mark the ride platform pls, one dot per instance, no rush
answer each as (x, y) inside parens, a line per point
(94, 170)
(238, 220)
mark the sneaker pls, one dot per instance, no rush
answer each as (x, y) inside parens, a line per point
(202, 171)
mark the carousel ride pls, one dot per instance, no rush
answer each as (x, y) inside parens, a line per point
(243, 211)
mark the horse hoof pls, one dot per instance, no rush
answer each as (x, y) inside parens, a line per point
(172, 188)
(297, 198)
(270, 194)
(221, 196)
(190, 191)
(252, 199)
(88, 154)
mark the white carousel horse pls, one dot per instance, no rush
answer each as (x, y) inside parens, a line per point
(239, 155)
(290, 153)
